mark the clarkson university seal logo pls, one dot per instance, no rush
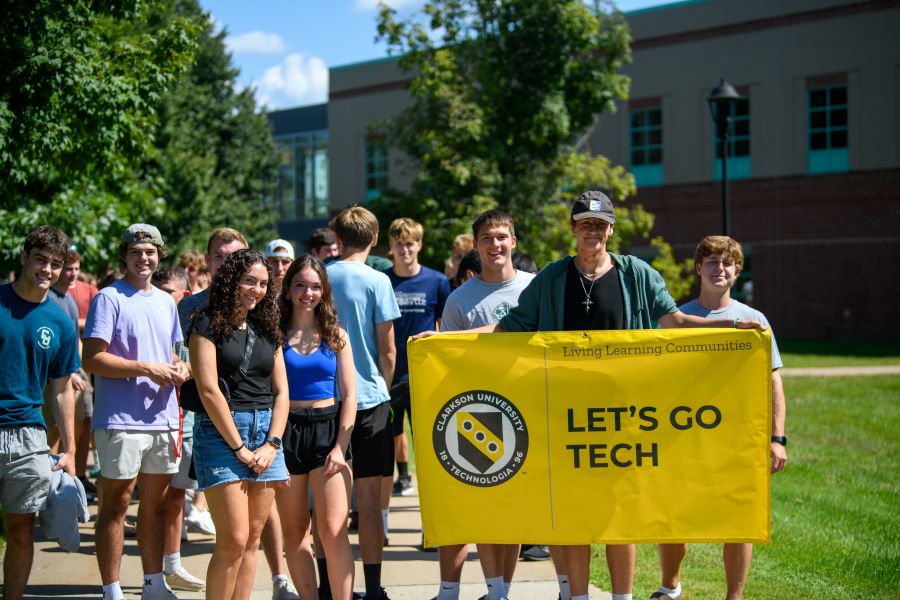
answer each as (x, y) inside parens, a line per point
(480, 438)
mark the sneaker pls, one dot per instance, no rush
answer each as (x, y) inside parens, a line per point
(403, 487)
(658, 595)
(536, 553)
(182, 580)
(200, 521)
(161, 595)
(354, 521)
(284, 590)
(384, 596)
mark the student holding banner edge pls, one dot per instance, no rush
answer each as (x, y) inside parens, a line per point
(718, 260)
(598, 290)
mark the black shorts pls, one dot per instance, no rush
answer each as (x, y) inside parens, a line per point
(310, 434)
(400, 404)
(373, 443)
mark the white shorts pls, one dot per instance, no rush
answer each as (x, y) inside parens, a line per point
(124, 453)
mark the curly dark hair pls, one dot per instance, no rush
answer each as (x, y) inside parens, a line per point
(326, 315)
(223, 309)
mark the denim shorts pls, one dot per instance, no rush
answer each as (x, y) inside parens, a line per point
(214, 461)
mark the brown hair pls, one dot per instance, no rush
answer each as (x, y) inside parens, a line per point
(191, 258)
(321, 236)
(356, 226)
(47, 238)
(225, 235)
(73, 257)
(405, 229)
(493, 218)
(720, 244)
(326, 315)
(463, 243)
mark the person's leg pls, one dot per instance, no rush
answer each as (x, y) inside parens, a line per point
(620, 561)
(19, 554)
(387, 484)
(737, 559)
(260, 501)
(450, 561)
(82, 446)
(510, 560)
(670, 559)
(578, 567)
(173, 514)
(115, 494)
(293, 508)
(273, 543)
(332, 495)
(558, 553)
(491, 557)
(229, 506)
(150, 536)
(371, 531)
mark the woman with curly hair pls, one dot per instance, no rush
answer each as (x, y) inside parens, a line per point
(319, 365)
(235, 348)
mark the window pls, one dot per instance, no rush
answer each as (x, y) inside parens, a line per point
(376, 169)
(826, 109)
(646, 145)
(738, 143)
(302, 190)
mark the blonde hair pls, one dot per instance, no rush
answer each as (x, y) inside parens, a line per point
(356, 227)
(463, 243)
(405, 230)
(225, 235)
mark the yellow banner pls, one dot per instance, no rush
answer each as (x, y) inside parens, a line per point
(598, 436)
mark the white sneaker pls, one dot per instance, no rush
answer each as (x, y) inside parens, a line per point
(200, 522)
(163, 594)
(283, 590)
(182, 580)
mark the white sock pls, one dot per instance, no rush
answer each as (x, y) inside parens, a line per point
(449, 590)
(384, 520)
(154, 586)
(113, 591)
(565, 593)
(584, 597)
(670, 591)
(506, 586)
(276, 579)
(495, 587)
(621, 597)
(171, 563)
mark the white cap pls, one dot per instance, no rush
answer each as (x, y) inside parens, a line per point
(279, 248)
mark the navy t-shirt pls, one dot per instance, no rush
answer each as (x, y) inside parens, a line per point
(421, 299)
(37, 343)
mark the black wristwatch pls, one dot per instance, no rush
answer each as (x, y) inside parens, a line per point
(275, 441)
(779, 439)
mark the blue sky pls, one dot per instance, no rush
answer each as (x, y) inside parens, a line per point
(285, 47)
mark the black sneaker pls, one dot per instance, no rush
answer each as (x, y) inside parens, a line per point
(384, 596)
(403, 487)
(354, 521)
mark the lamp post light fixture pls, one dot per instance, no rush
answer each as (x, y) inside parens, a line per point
(722, 100)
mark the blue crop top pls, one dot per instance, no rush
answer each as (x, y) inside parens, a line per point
(311, 377)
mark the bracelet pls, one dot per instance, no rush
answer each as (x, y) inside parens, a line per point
(239, 448)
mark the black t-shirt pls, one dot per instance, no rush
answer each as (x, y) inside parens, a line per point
(606, 309)
(255, 390)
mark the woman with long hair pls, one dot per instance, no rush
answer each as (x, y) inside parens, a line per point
(235, 348)
(319, 365)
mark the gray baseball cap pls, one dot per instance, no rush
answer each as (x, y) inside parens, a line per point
(142, 233)
(594, 204)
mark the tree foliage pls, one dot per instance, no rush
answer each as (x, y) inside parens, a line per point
(502, 91)
(117, 111)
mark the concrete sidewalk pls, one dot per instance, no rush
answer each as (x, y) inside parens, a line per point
(408, 572)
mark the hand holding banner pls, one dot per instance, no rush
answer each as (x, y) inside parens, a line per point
(599, 436)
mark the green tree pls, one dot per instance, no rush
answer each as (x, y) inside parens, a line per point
(77, 109)
(502, 92)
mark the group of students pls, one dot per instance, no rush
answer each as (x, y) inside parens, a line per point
(298, 373)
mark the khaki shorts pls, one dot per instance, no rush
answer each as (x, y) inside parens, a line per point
(24, 469)
(124, 453)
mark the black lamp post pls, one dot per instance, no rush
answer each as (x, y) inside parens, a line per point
(722, 100)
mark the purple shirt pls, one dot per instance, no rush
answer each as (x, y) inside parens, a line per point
(137, 325)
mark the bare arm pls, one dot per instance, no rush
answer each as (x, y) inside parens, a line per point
(679, 319)
(490, 328)
(387, 350)
(64, 404)
(100, 362)
(779, 411)
(346, 379)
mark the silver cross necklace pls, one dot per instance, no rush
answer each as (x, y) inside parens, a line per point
(587, 291)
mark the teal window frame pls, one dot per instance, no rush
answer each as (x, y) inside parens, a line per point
(739, 147)
(646, 145)
(827, 138)
(376, 174)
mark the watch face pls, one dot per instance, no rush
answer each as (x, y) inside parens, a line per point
(275, 441)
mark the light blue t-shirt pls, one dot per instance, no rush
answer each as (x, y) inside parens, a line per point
(735, 310)
(477, 302)
(137, 325)
(363, 298)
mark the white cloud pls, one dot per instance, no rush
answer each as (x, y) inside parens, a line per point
(370, 5)
(298, 80)
(256, 42)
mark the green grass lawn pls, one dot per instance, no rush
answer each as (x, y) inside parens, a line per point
(835, 523)
(815, 353)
